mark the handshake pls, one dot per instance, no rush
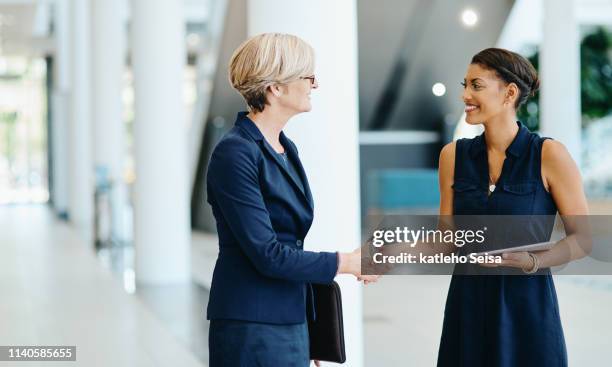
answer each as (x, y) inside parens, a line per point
(350, 263)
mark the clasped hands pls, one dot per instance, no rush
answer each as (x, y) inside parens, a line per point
(350, 263)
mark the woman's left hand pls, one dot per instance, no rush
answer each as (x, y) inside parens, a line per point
(317, 363)
(520, 260)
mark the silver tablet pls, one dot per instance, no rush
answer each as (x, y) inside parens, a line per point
(531, 248)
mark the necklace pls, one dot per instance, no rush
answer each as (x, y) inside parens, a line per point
(492, 184)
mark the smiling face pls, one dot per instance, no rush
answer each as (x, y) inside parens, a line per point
(484, 94)
(277, 66)
(295, 96)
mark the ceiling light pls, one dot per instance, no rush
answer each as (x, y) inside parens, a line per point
(438, 89)
(469, 17)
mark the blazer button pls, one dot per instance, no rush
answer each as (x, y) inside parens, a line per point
(298, 243)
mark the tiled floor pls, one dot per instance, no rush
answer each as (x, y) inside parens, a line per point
(182, 310)
(55, 292)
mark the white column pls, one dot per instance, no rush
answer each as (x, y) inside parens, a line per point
(60, 113)
(161, 208)
(327, 137)
(108, 60)
(81, 166)
(560, 116)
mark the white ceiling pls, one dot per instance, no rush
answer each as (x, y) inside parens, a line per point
(25, 25)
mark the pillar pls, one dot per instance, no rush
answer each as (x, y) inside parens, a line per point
(161, 203)
(560, 116)
(60, 113)
(80, 155)
(108, 60)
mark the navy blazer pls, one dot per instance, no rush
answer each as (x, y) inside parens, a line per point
(262, 272)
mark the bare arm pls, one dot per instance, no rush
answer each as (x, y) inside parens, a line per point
(561, 175)
(562, 179)
(446, 176)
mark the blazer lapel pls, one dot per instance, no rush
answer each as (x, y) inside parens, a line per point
(293, 155)
(306, 195)
(244, 122)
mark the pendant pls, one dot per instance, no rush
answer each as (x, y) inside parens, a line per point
(491, 188)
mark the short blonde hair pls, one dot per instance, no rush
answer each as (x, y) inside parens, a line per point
(265, 60)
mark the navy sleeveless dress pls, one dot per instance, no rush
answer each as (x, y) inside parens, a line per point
(502, 320)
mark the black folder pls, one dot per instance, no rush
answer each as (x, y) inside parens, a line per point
(326, 329)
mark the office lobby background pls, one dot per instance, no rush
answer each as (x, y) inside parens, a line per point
(110, 109)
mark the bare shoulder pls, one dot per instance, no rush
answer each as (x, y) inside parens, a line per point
(447, 161)
(555, 155)
(446, 176)
(448, 153)
(447, 156)
(554, 149)
(562, 178)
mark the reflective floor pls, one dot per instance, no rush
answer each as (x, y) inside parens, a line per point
(404, 329)
(56, 291)
(181, 308)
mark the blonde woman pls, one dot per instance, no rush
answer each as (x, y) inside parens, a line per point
(263, 207)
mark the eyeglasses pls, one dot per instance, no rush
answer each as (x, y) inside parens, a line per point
(311, 78)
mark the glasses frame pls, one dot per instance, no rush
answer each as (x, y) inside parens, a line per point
(312, 79)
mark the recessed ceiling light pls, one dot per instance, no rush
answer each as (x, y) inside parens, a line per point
(438, 89)
(469, 17)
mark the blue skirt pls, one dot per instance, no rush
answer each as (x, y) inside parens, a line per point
(235, 343)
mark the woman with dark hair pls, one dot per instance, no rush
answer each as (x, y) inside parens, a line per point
(507, 320)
